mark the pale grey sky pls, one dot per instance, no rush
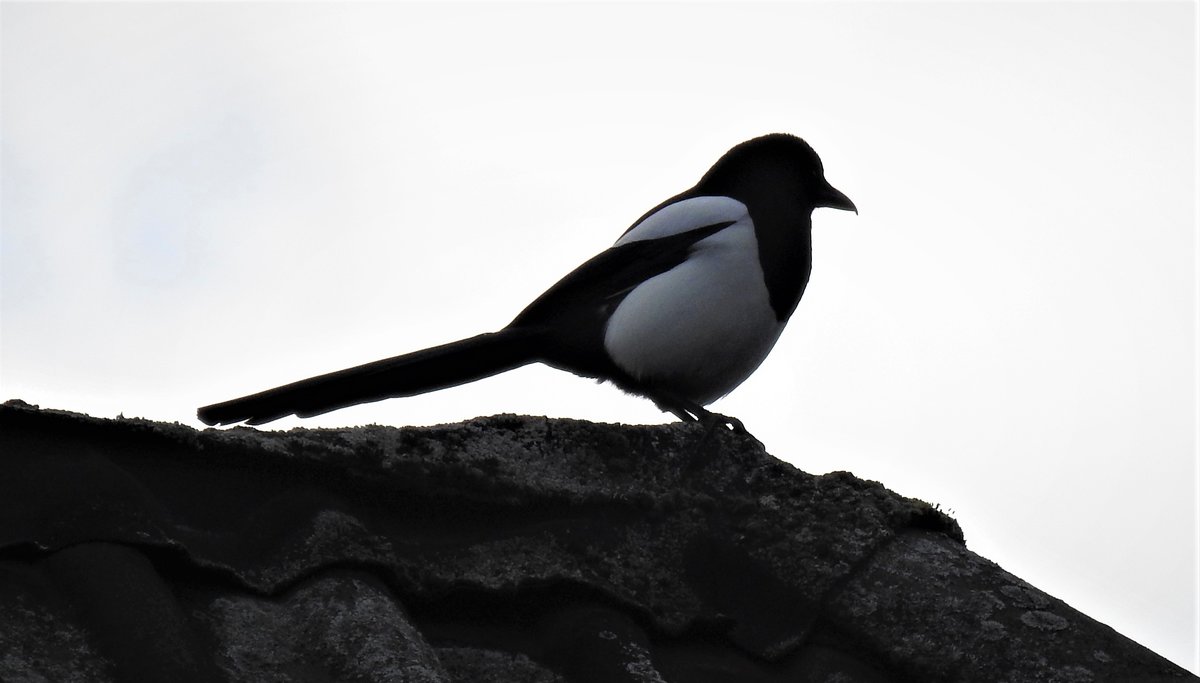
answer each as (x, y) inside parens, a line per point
(204, 200)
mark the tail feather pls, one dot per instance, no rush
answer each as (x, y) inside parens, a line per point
(414, 373)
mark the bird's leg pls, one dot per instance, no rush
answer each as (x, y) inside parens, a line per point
(715, 420)
(731, 423)
(682, 413)
(690, 411)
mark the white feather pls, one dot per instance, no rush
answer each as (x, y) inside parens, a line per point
(702, 327)
(686, 215)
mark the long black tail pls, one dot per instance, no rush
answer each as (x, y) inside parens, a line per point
(413, 373)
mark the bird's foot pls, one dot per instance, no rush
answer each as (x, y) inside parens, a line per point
(689, 411)
(714, 420)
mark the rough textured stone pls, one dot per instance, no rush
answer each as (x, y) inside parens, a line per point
(504, 548)
(337, 625)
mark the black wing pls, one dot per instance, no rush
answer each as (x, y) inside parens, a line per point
(607, 277)
(574, 311)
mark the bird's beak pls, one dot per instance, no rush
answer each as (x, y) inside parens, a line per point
(834, 199)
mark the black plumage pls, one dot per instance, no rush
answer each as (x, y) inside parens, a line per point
(709, 259)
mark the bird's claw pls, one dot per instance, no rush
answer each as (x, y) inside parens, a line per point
(692, 412)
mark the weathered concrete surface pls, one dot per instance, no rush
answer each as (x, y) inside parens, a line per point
(500, 549)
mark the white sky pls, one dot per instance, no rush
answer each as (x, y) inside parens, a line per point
(205, 200)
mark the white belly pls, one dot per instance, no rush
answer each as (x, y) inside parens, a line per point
(699, 329)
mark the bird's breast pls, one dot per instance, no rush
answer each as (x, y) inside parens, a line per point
(701, 328)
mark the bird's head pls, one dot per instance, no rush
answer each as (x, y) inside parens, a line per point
(773, 168)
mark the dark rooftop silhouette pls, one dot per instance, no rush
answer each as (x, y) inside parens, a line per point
(500, 549)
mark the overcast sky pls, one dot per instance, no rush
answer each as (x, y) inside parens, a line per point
(205, 200)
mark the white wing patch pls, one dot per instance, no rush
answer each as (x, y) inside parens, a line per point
(686, 215)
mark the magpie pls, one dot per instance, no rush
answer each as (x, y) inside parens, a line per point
(680, 310)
